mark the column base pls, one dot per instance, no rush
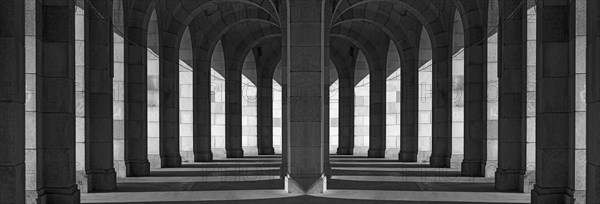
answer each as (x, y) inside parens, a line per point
(440, 161)
(473, 168)
(169, 161)
(137, 168)
(12, 179)
(102, 179)
(547, 195)
(345, 151)
(60, 195)
(405, 156)
(509, 180)
(266, 151)
(235, 153)
(376, 153)
(306, 185)
(203, 157)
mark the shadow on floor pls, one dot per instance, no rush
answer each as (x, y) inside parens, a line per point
(262, 173)
(200, 186)
(410, 186)
(416, 173)
(240, 172)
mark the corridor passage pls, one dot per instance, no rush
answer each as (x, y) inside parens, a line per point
(300, 101)
(257, 180)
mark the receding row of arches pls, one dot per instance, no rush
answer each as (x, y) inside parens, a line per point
(156, 84)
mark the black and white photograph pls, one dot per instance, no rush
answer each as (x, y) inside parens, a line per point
(300, 101)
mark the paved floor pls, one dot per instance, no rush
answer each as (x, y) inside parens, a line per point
(256, 180)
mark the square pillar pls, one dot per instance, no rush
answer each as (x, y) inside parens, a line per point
(265, 114)
(512, 126)
(136, 94)
(441, 148)
(475, 141)
(593, 102)
(560, 113)
(409, 115)
(202, 103)
(56, 103)
(12, 102)
(233, 101)
(346, 117)
(377, 106)
(307, 84)
(99, 63)
(169, 102)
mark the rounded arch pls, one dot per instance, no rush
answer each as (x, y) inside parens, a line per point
(179, 14)
(401, 32)
(259, 31)
(428, 13)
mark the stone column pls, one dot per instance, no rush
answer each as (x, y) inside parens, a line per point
(202, 97)
(169, 101)
(265, 112)
(475, 141)
(377, 126)
(56, 103)
(136, 93)
(267, 57)
(99, 65)
(377, 106)
(202, 125)
(441, 148)
(512, 134)
(233, 100)
(409, 104)
(559, 110)
(12, 102)
(593, 102)
(346, 111)
(306, 54)
(343, 58)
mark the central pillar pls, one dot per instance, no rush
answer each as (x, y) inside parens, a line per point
(307, 83)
